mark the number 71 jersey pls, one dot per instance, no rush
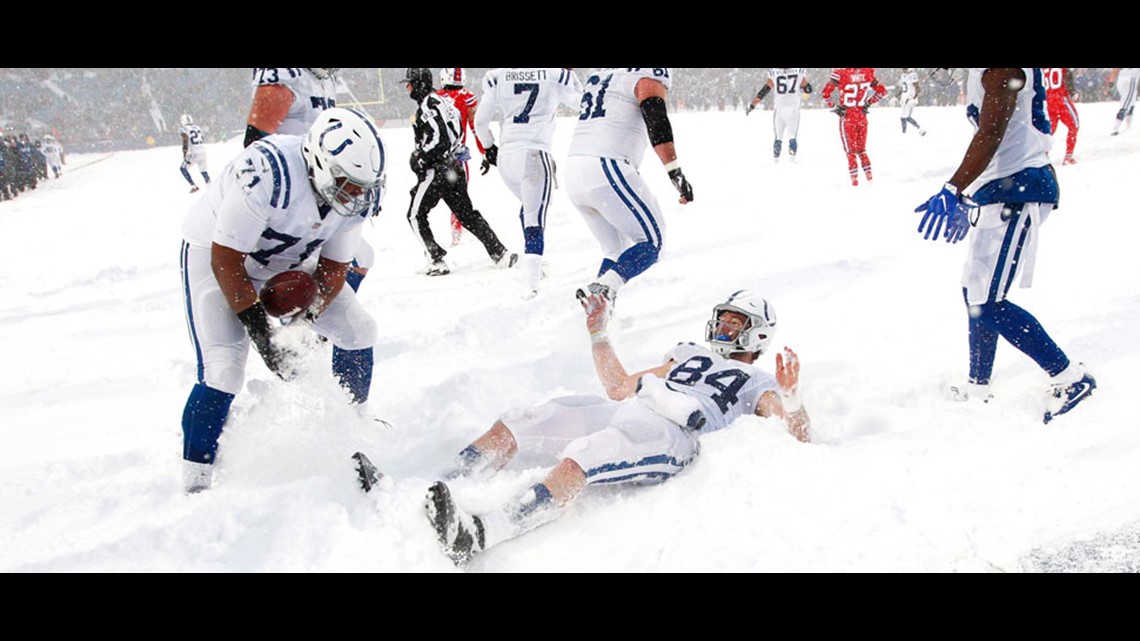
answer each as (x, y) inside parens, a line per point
(726, 389)
(610, 124)
(264, 206)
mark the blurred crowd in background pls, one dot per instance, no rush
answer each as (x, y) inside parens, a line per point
(103, 109)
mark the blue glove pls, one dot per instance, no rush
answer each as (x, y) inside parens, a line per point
(944, 208)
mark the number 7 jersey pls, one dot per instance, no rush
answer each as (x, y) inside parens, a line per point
(726, 389)
(525, 101)
(610, 124)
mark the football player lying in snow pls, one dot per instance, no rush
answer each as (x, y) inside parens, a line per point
(284, 203)
(645, 432)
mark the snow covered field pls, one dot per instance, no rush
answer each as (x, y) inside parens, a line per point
(98, 364)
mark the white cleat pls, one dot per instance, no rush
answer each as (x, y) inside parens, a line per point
(1064, 396)
(196, 477)
(968, 391)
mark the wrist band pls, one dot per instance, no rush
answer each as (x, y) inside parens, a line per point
(676, 164)
(792, 402)
(599, 337)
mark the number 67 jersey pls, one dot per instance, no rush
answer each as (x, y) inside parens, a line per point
(264, 206)
(610, 124)
(726, 389)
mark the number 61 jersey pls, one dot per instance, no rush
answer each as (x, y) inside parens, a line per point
(264, 206)
(726, 389)
(610, 124)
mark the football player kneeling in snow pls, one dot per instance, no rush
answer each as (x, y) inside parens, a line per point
(283, 203)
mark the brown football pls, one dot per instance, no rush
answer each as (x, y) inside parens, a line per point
(288, 292)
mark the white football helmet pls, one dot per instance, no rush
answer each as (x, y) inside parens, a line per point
(185, 120)
(345, 158)
(756, 334)
(323, 72)
(452, 76)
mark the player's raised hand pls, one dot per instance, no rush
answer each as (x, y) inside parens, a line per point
(788, 372)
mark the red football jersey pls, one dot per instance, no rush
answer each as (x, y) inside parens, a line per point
(1055, 89)
(465, 102)
(857, 87)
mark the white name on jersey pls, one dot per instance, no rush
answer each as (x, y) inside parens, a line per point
(525, 75)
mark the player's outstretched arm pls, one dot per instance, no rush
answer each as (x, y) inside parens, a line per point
(619, 383)
(787, 404)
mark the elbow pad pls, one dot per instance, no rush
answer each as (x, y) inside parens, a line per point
(252, 135)
(763, 92)
(656, 120)
(807, 87)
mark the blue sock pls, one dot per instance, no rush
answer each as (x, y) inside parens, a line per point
(903, 120)
(534, 239)
(354, 369)
(607, 265)
(635, 260)
(793, 146)
(202, 421)
(536, 499)
(186, 175)
(983, 347)
(776, 148)
(1024, 332)
(354, 278)
(206, 177)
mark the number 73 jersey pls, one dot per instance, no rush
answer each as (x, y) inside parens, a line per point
(726, 389)
(263, 206)
(610, 124)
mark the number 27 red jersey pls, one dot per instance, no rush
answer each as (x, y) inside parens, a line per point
(857, 87)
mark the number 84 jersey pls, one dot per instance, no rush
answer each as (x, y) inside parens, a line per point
(610, 124)
(726, 389)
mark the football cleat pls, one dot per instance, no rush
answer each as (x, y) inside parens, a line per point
(194, 189)
(597, 288)
(506, 260)
(437, 268)
(460, 534)
(196, 477)
(967, 391)
(1069, 160)
(368, 475)
(1065, 396)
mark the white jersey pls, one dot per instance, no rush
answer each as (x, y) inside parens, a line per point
(610, 124)
(726, 389)
(1027, 138)
(908, 86)
(311, 95)
(1128, 73)
(525, 102)
(263, 205)
(52, 152)
(195, 139)
(787, 93)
